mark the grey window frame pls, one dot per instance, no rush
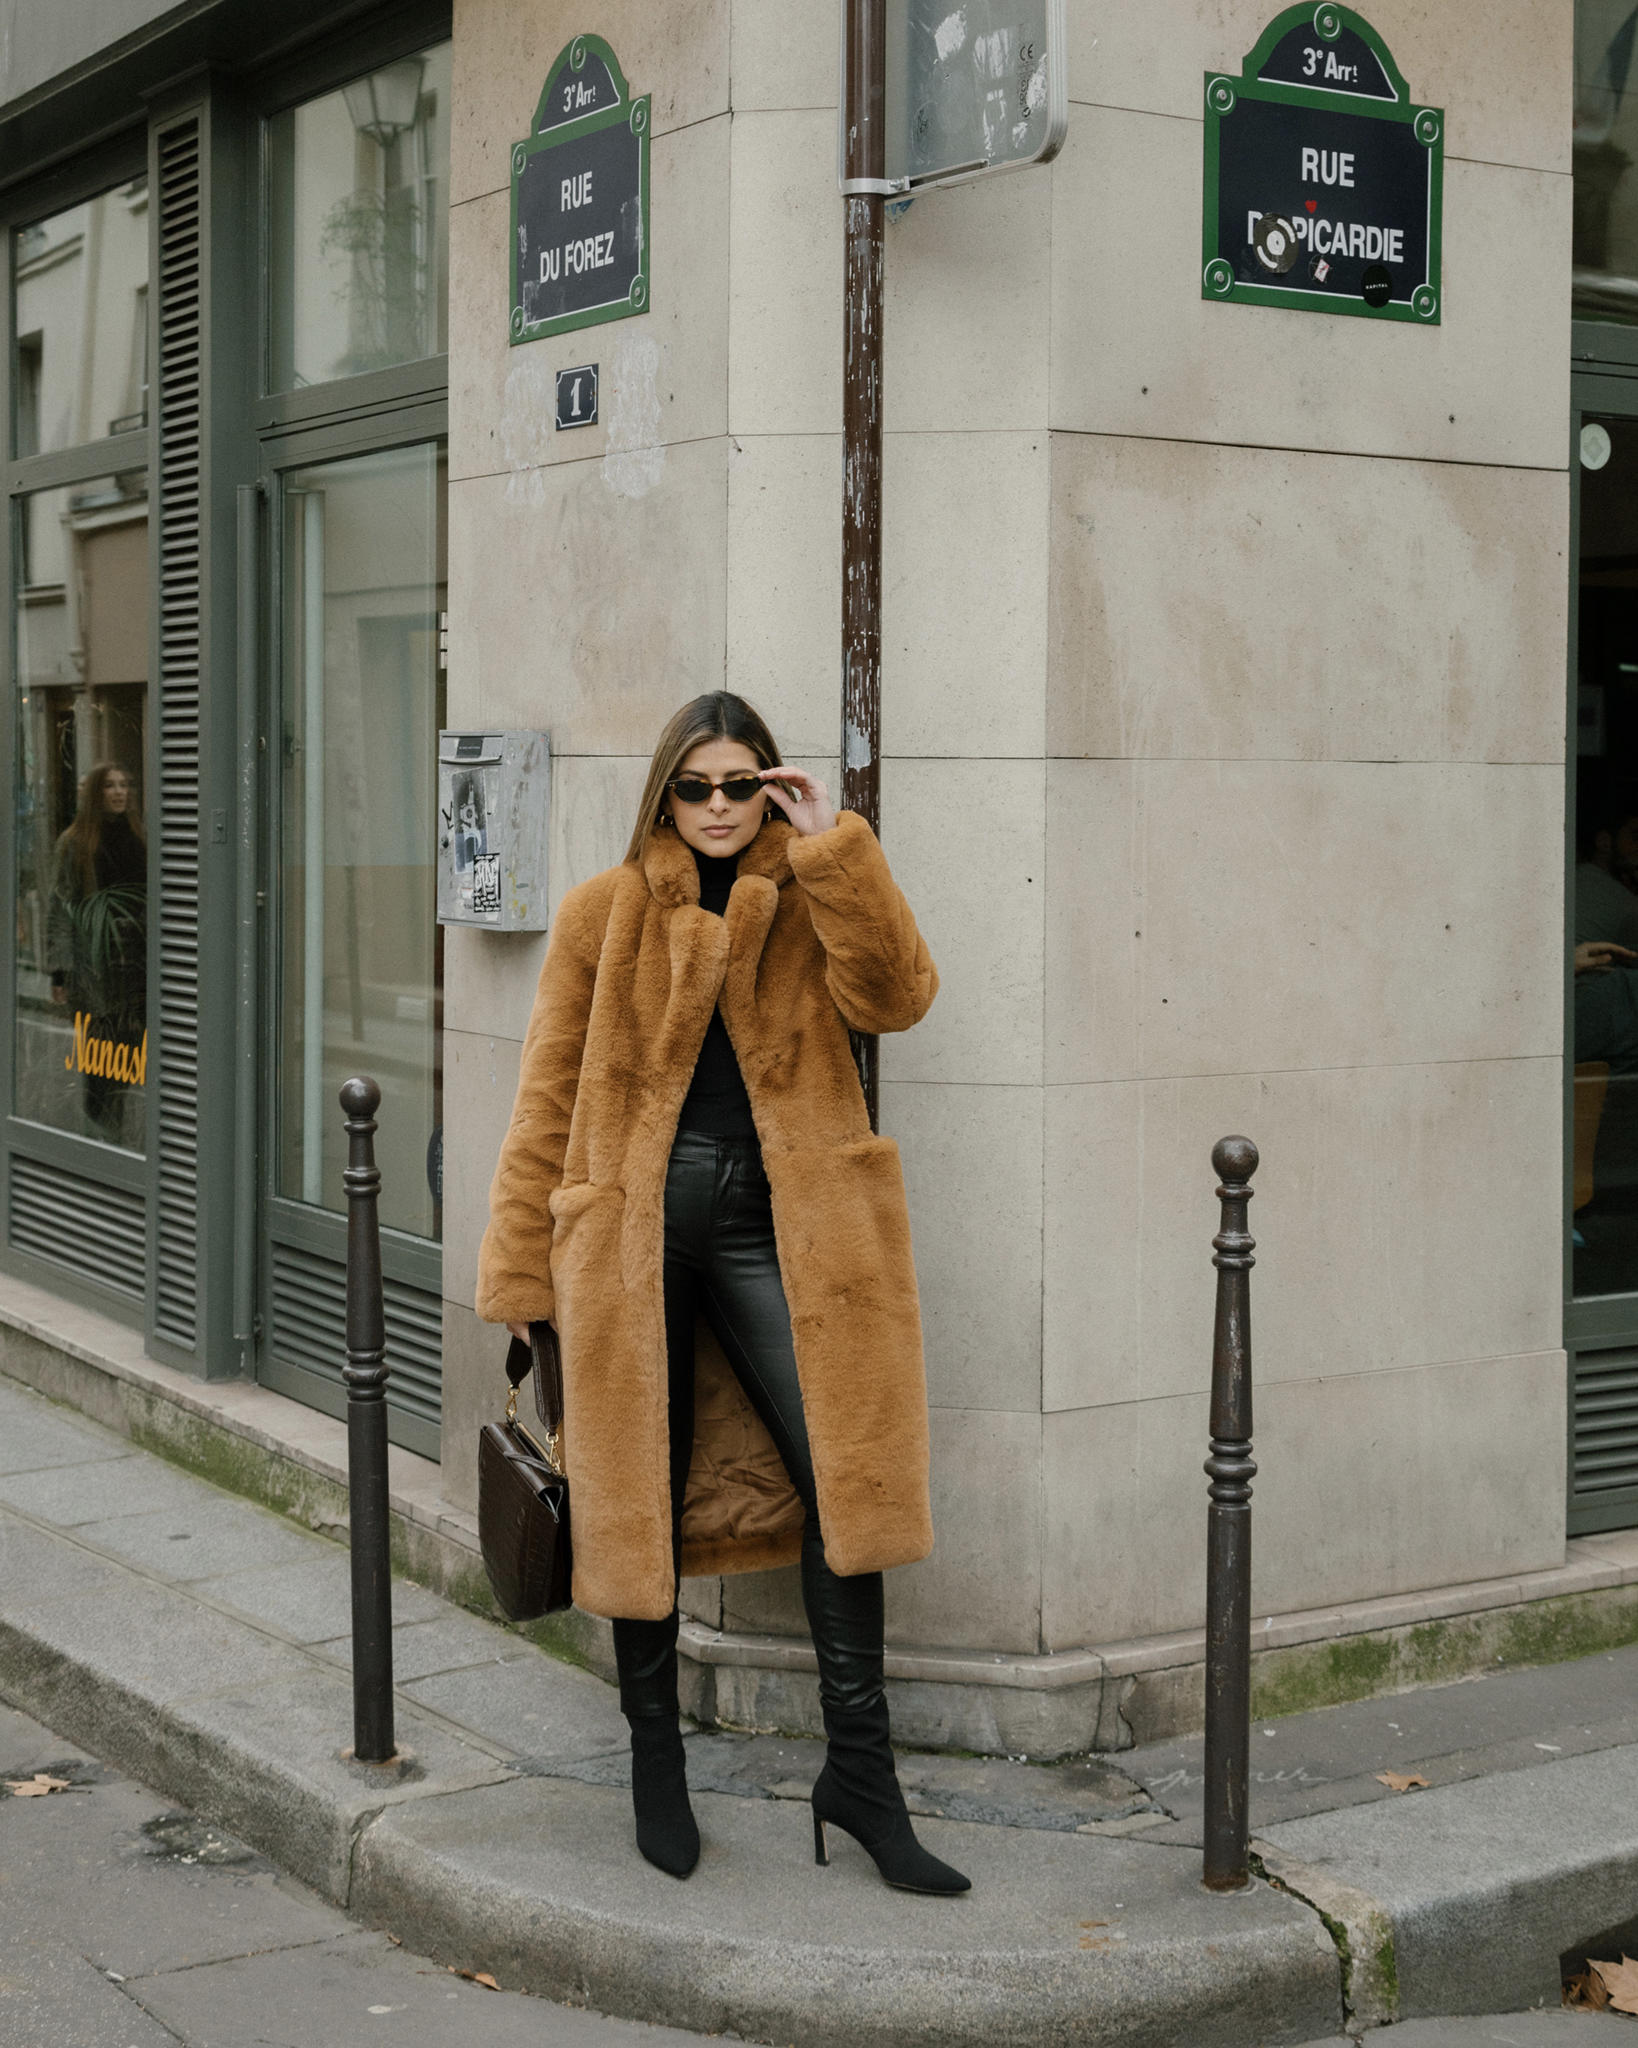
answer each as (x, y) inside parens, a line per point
(413, 28)
(415, 1261)
(379, 410)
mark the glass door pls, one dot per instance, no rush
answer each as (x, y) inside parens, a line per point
(359, 574)
(1602, 915)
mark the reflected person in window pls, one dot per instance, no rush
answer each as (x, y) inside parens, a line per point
(97, 934)
(690, 1147)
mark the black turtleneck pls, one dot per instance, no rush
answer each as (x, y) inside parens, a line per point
(716, 1104)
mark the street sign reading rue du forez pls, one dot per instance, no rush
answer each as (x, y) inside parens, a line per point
(580, 199)
(1324, 177)
(972, 86)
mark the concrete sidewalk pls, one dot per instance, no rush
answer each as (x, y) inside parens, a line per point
(200, 1642)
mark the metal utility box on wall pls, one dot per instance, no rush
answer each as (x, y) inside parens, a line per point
(494, 819)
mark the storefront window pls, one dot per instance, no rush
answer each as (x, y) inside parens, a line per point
(81, 637)
(80, 363)
(362, 583)
(359, 225)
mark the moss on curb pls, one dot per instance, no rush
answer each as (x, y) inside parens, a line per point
(1307, 1675)
(317, 1502)
(239, 1466)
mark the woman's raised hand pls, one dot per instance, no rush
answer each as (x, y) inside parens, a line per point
(811, 809)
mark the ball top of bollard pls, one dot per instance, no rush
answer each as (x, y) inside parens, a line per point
(361, 1096)
(1234, 1159)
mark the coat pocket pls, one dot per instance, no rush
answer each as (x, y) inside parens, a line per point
(593, 1313)
(843, 1226)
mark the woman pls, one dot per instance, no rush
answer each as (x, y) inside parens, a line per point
(97, 927)
(690, 1136)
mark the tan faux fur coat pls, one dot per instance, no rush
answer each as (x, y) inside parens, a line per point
(816, 938)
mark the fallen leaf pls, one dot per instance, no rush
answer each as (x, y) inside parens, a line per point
(36, 1787)
(1400, 1781)
(474, 1977)
(1094, 1923)
(1620, 1980)
(1586, 1993)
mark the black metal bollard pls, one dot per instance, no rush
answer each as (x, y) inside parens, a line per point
(366, 1375)
(1231, 1470)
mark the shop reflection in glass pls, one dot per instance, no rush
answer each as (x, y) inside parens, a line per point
(80, 279)
(359, 225)
(81, 1045)
(363, 559)
(97, 945)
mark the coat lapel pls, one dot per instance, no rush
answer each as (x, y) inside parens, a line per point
(713, 957)
(673, 878)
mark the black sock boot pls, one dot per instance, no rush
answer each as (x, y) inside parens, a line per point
(858, 1789)
(645, 1653)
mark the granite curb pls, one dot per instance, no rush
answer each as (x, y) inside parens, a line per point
(197, 1641)
(1465, 1898)
(1067, 1939)
(193, 1640)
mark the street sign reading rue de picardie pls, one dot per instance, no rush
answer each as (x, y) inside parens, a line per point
(972, 86)
(580, 250)
(1324, 177)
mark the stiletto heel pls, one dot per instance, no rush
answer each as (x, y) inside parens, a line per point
(858, 1789)
(875, 1817)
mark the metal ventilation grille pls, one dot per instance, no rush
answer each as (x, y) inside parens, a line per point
(176, 1290)
(309, 1329)
(1604, 1450)
(96, 1231)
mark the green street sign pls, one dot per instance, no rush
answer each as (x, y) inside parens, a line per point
(580, 252)
(1324, 178)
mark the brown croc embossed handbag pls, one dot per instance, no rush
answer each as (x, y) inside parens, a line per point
(523, 1495)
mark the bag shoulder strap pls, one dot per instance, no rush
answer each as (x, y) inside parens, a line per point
(547, 1361)
(540, 1359)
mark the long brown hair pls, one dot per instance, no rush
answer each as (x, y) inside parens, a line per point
(84, 837)
(719, 715)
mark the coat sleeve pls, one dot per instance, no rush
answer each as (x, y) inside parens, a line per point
(514, 1277)
(877, 965)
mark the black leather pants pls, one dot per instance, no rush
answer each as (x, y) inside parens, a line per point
(720, 1258)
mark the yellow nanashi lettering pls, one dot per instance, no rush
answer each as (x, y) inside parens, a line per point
(108, 1059)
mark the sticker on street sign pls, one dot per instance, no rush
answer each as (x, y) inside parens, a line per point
(580, 251)
(972, 86)
(577, 396)
(1324, 178)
